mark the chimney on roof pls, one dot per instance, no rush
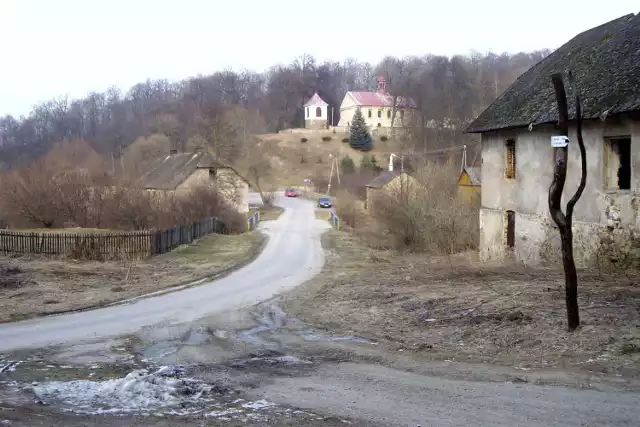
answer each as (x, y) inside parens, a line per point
(382, 85)
(198, 149)
(173, 151)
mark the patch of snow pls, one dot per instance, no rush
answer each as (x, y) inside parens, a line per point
(220, 334)
(139, 391)
(292, 360)
(223, 413)
(258, 404)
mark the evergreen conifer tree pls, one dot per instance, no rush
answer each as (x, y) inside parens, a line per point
(347, 165)
(359, 137)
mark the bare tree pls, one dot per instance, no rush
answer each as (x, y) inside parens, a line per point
(32, 194)
(447, 90)
(564, 220)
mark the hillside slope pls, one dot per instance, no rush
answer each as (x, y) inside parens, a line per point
(295, 160)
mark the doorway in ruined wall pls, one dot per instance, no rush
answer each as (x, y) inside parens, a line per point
(510, 229)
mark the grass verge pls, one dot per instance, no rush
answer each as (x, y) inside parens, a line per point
(324, 214)
(270, 213)
(41, 286)
(457, 309)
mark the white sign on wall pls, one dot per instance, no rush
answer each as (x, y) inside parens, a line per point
(559, 141)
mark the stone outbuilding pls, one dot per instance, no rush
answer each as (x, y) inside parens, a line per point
(179, 173)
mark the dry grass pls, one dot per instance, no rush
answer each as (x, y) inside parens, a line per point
(64, 285)
(270, 213)
(294, 161)
(323, 214)
(456, 308)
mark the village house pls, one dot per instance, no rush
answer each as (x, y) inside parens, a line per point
(396, 182)
(470, 183)
(180, 173)
(315, 113)
(518, 160)
(377, 108)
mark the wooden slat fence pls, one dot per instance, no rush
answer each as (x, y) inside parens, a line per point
(165, 241)
(99, 245)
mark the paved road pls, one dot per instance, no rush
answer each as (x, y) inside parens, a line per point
(292, 255)
(372, 395)
(389, 397)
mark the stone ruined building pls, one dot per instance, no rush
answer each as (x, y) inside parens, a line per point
(180, 173)
(518, 160)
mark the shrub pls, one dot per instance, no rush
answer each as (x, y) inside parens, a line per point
(303, 140)
(320, 182)
(346, 209)
(347, 166)
(383, 138)
(431, 218)
(345, 139)
(326, 138)
(268, 197)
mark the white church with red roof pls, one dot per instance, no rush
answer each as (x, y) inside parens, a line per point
(377, 108)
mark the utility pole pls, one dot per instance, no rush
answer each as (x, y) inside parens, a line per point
(391, 157)
(464, 158)
(330, 176)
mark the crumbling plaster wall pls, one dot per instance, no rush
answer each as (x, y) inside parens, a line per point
(599, 213)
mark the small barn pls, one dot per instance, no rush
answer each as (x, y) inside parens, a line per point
(180, 173)
(469, 183)
(389, 183)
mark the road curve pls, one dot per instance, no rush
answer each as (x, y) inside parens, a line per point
(292, 255)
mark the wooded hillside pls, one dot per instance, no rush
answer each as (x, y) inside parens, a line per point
(447, 91)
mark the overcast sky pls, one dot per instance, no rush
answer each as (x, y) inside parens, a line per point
(52, 48)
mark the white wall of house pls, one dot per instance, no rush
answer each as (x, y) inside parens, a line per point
(233, 188)
(316, 112)
(373, 116)
(600, 209)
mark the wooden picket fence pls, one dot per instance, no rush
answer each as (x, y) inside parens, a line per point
(106, 245)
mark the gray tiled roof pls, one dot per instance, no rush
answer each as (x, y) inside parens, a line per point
(605, 62)
(168, 172)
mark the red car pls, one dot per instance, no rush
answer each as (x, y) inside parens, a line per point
(291, 192)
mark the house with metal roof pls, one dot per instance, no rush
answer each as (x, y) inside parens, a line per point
(395, 182)
(518, 157)
(470, 183)
(316, 113)
(380, 108)
(179, 173)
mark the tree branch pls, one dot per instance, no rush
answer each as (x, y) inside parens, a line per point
(583, 152)
(560, 168)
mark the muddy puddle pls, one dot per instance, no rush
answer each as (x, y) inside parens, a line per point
(266, 327)
(199, 369)
(271, 318)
